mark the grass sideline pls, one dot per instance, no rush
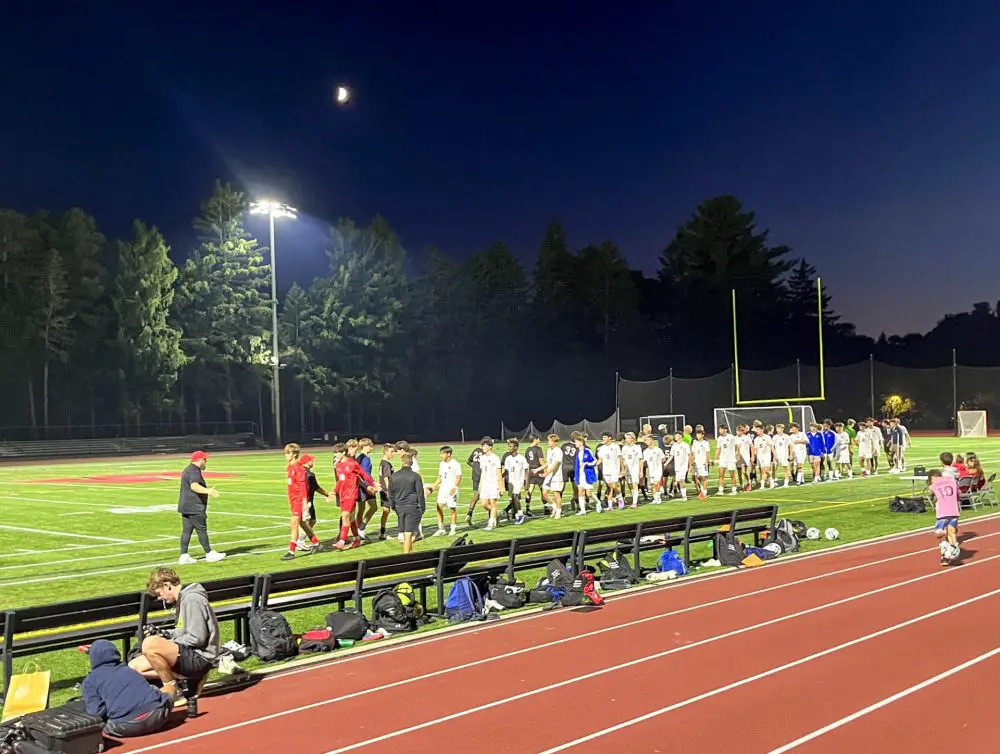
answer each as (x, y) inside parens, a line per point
(100, 536)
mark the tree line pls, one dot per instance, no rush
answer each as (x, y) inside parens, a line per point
(96, 331)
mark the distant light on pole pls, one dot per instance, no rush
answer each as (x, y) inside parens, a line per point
(274, 209)
(343, 95)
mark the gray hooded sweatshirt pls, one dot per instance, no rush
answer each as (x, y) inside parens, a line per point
(197, 626)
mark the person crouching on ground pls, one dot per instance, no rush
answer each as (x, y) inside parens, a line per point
(298, 501)
(349, 475)
(191, 649)
(121, 696)
(406, 496)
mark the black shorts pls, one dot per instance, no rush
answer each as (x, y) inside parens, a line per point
(409, 519)
(476, 478)
(309, 514)
(535, 478)
(384, 497)
(190, 664)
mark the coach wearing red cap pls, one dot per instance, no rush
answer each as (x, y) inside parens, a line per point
(193, 507)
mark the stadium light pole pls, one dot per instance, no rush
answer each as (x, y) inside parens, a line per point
(274, 209)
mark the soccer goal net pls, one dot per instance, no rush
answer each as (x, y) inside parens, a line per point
(673, 422)
(787, 415)
(972, 424)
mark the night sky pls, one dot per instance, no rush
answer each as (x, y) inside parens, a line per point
(865, 137)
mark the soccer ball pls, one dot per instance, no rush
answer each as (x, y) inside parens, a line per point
(832, 534)
(812, 533)
(949, 551)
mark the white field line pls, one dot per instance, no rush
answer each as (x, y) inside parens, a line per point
(163, 537)
(886, 702)
(549, 687)
(48, 533)
(757, 677)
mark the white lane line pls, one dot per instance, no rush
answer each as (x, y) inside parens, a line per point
(754, 678)
(560, 684)
(885, 702)
(48, 533)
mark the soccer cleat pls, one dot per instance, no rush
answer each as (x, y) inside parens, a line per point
(215, 556)
(355, 544)
(440, 532)
(340, 545)
(453, 531)
(519, 519)
(185, 559)
(288, 556)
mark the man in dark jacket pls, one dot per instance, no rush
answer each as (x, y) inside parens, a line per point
(406, 497)
(120, 695)
(193, 507)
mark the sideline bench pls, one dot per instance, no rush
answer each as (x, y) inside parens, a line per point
(66, 625)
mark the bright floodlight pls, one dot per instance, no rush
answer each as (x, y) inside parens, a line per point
(272, 208)
(343, 95)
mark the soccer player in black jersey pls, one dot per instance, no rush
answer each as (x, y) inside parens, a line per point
(569, 465)
(384, 472)
(473, 463)
(535, 456)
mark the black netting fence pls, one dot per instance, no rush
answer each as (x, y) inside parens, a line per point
(856, 390)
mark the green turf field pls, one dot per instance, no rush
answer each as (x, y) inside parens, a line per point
(72, 530)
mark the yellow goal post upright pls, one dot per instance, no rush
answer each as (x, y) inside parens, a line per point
(794, 408)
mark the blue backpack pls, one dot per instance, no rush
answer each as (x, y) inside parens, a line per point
(671, 561)
(465, 602)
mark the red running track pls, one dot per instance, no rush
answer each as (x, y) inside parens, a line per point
(807, 654)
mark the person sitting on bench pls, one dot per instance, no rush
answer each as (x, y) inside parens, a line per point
(188, 651)
(120, 695)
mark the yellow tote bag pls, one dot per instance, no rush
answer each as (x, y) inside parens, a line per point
(27, 692)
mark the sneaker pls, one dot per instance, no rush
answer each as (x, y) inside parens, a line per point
(288, 556)
(584, 512)
(185, 559)
(215, 556)
(734, 492)
(228, 666)
(381, 536)
(519, 519)
(440, 532)
(363, 534)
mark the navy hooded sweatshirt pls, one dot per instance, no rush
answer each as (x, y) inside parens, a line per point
(113, 690)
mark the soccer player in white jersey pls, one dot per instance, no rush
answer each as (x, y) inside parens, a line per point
(680, 454)
(448, 483)
(782, 444)
(744, 455)
(491, 484)
(553, 483)
(654, 460)
(700, 455)
(725, 459)
(864, 442)
(762, 455)
(610, 456)
(632, 459)
(878, 444)
(516, 468)
(844, 466)
(800, 452)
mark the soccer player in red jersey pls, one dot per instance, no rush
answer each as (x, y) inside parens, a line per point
(348, 472)
(298, 500)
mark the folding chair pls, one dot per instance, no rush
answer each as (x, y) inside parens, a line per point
(966, 497)
(985, 495)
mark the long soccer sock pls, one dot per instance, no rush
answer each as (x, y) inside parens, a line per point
(344, 531)
(635, 496)
(314, 539)
(292, 545)
(354, 528)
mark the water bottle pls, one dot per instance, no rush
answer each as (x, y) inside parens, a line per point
(192, 706)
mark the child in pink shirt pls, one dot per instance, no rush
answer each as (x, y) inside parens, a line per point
(945, 489)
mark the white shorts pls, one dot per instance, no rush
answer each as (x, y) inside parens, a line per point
(864, 455)
(632, 474)
(844, 457)
(585, 486)
(764, 461)
(800, 457)
(727, 464)
(448, 501)
(611, 477)
(515, 488)
(701, 470)
(554, 482)
(489, 491)
(654, 479)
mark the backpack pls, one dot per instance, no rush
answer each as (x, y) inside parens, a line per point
(347, 624)
(271, 637)
(395, 609)
(465, 601)
(582, 591)
(671, 561)
(318, 640)
(784, 536)
(508, 593)
(908, 505)
(728, 549)
(546, 594)
(616, 573)
(799, 528)
(558, 575)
